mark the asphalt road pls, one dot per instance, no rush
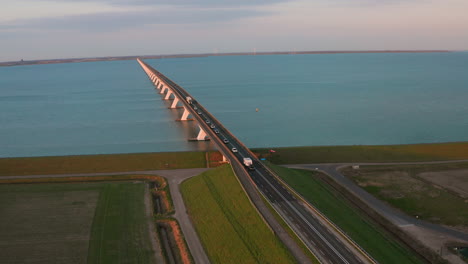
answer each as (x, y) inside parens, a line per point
(326, 245)
(396, 217)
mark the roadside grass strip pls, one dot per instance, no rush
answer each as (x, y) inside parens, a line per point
(101, 163)
(362, 153)
(368, 235)
(229, 227)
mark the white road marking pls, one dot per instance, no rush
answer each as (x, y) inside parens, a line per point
(307, 222)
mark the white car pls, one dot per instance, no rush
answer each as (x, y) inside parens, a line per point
(234, 150)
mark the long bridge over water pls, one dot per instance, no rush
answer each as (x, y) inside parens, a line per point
(325, 240)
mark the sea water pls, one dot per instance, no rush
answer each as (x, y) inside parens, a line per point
(302, 100)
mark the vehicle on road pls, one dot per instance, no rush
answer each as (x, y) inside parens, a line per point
(234, 150)
(189, 99)
(195, 108)
(207, 121)
(212, 126)
(216, 131)
(225, 141)
(248, 163)
(199, 112)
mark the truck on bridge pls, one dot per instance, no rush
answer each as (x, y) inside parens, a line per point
(248, 163)
(190, 100)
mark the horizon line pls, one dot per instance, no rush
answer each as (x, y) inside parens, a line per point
(189, 55)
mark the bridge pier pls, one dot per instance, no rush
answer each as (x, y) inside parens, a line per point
(174, 103)
(163, 89)
(201, 135)
(168, 95)
(185, 115)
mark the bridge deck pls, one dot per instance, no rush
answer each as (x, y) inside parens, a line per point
(325, 244)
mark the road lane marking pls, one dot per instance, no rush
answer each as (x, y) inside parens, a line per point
(306, 221)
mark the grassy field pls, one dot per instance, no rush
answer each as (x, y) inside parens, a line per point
(101, 163)
(229, 227)
(365, 233)
(389, 153)
(74, 223)
(402, 187)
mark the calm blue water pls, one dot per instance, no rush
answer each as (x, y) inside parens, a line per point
(329, 99)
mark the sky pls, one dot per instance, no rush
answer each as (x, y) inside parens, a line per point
(37, 29)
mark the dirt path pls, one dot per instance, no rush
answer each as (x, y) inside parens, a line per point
(158, 255)
(193, 242)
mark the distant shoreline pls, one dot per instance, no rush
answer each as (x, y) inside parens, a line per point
(114, 58)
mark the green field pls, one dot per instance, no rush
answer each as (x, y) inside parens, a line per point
(365, 233)
(74, 223)
(228, 225)
(101, 163)
(388, 153)
(402, 187)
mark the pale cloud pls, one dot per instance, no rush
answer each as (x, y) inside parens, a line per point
(114, 21)
(195, 3)
(29, 9)
(132, 27)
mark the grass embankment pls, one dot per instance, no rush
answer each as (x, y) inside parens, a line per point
(228, 226)
(74, 223)
(101, 163)
(388, 153)
(404, 187)
(363, 231)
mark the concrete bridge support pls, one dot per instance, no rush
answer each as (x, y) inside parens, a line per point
(202, 134)
(168, 95)
(163, 89)
(185, 115)
(174, 103)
